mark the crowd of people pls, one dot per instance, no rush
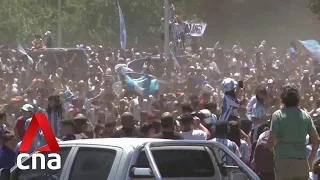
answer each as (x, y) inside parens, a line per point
(263, 106)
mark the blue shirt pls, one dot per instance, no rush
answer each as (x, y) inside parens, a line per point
(7, 158)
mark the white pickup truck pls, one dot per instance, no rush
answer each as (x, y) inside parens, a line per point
(134, 159)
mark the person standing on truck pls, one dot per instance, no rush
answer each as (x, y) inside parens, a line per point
(167, 128)
(128, 128)
(37, 43)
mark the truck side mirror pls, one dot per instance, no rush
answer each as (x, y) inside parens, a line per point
(4, 174)
(141, 172)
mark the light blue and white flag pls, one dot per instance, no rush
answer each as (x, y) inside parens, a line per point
(313, 47)
(176, 62)
(123, 32)
(144, 85)
(22, 51)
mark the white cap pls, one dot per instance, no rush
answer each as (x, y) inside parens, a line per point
(270, 81)
(229, 84)
(47, 33)
(317, 112)
(27, 107)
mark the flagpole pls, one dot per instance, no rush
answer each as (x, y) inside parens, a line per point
(59, 25)
(166, 27)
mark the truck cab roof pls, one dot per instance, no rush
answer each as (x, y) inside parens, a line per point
(117, 142)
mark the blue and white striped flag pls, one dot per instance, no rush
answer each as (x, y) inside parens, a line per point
(313, 47)
(22, 51)
(123, 32)
(176, 62)
(144, 86)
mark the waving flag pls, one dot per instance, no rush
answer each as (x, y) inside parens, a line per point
(144, 85)
(176, 62)
(22, 51)
(123, 32)
(313, 47)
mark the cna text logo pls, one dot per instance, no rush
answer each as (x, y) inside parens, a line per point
(51, 160)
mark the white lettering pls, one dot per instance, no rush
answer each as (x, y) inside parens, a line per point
(42, 161)
(19, 161)
(53, 161)
(56, 161)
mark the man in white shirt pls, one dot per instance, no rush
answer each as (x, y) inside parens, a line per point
(188, 129)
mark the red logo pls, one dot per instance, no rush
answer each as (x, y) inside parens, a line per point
(39, 120)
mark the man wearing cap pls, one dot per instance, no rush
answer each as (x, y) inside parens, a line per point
(151, 124)
(19, 126)
(230, 101)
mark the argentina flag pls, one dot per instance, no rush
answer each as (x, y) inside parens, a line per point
(313, 47)
(144, 85)
(123, 32)
(176, 62)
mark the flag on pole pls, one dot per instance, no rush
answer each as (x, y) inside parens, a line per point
(123, 32)
(176, 62)
(22, 51)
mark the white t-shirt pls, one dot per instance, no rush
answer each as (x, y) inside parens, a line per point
(195, 135)
(136, 109)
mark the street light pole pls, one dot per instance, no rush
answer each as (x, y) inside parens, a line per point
(59, 25)
(166, 28)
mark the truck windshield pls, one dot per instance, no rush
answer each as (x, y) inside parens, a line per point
(180, 163)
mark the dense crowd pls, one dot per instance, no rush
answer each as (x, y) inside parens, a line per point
(263, 106)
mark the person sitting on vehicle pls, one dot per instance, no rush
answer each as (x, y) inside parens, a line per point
(128, 128)
(179, 27)
(167, 128)
(37, 43)
(49, 43)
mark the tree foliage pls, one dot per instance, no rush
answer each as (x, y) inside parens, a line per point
(82, 20)
(97, 21)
